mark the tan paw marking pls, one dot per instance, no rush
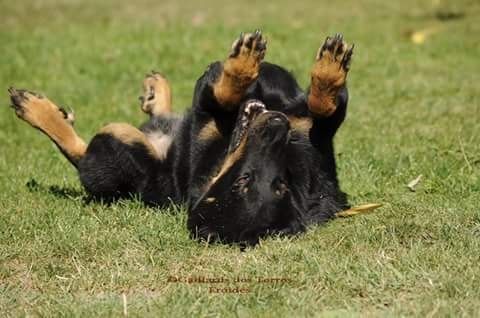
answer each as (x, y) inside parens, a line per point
(37, 110)
(329, 74)
(157, 96)
(240, 69)
(55, 122)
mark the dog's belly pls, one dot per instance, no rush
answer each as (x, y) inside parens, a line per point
(161, 142)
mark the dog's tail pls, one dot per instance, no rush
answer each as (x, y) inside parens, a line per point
(360, 209)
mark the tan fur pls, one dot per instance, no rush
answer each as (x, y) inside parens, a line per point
(209, 132)
(156, 86)
(301, 124)
(327, 77)
(230, 88)
(129, 135)
(228, 162)
(44, 115)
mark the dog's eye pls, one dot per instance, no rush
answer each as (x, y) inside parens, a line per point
(243, 180)
(241, 184)
(280, 187)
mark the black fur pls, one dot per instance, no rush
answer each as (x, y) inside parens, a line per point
(283, 182)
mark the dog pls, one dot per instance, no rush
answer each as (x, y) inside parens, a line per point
(252, 157)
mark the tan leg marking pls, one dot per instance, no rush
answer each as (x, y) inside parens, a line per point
(157, 95)
(209, 132)
(240, 69)
(53, 121)
(129, 135)
(301, 124)
(329, 75)
(228, 163)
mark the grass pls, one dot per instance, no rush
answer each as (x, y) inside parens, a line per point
(414, 109)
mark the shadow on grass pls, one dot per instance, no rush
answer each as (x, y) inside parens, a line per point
(74, 194)
(55, 190)
(69, 193)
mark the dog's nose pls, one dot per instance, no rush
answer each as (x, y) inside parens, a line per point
(271, 127)
(278, 119)
(269, 118)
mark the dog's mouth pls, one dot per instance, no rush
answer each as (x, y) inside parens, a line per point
(250, 110)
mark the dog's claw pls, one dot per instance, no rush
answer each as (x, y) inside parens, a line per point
(347, 57)
(251, 43)
(338, 49)
(237, 45)
(17, 98)
(69, 116)
(262, 45)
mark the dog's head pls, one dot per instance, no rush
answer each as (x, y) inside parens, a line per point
(250, 196)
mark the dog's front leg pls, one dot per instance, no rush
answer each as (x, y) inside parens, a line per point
(327, 95)
(223, 86)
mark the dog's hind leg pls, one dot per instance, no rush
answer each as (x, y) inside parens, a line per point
(50, 119)
(157, 95)
(239, 70)
(121, 161)
(157, 103)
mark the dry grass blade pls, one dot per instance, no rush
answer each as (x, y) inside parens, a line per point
(361, 209)
(412, 184)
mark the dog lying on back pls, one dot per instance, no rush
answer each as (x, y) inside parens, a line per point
(253, 156)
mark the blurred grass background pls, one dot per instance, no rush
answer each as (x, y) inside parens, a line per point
(414, 110)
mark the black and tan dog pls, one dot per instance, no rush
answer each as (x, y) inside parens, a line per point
(253, 156)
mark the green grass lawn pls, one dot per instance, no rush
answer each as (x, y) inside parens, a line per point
(414, 110)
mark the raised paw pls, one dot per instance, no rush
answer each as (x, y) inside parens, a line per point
(157, 97)
(329, 74)
(35, 109)
(240, 68)
(336, 51)
(247, 53)
(55, 122)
